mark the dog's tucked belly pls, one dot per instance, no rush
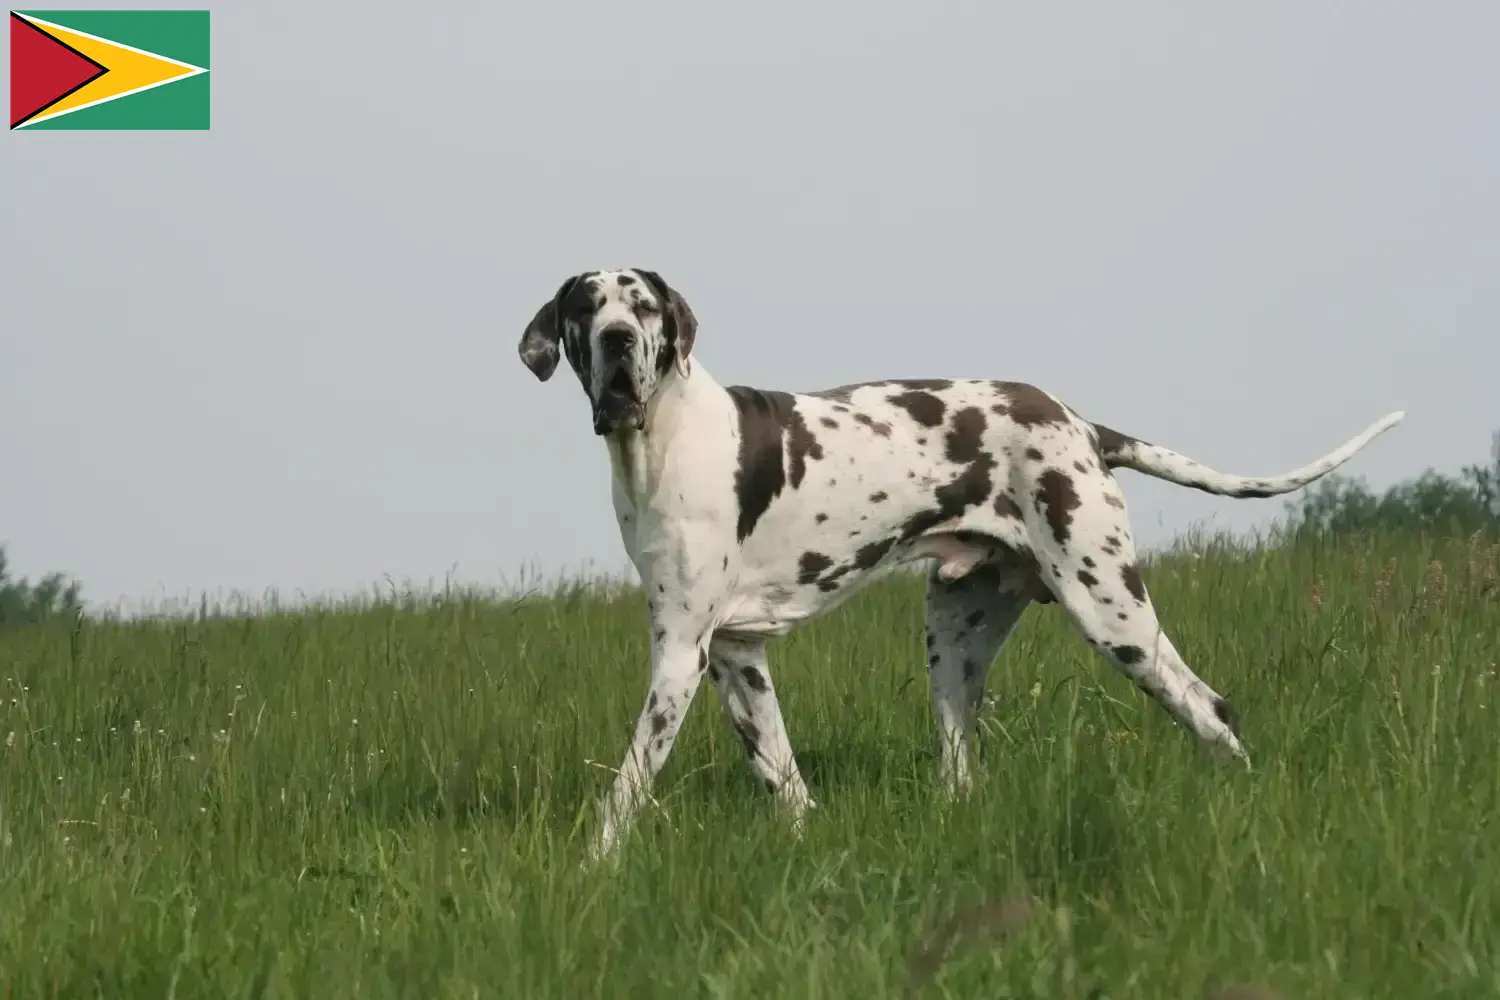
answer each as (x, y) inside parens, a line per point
(774, 609)
(767, 613)
(766, 605)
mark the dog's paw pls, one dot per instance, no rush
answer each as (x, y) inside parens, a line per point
(601, 852)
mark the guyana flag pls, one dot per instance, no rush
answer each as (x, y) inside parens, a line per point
(109, 69)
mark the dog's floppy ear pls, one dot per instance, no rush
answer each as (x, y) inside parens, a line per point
(682, 325)
(538, 347)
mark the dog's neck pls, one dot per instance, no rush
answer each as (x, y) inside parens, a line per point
(638, 457)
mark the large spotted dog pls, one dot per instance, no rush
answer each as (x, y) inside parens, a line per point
(748, 511)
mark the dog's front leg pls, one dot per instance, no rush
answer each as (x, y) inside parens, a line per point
(678, 660)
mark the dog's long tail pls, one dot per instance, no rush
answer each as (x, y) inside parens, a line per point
(1123, 451)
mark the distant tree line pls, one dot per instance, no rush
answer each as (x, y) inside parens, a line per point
(26, 603)
(1335, 506)
(1463, 504)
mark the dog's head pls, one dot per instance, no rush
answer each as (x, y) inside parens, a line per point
(624, 332)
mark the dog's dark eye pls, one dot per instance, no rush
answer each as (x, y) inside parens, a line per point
(646, 308)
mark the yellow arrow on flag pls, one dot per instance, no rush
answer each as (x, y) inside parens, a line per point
(130, 70)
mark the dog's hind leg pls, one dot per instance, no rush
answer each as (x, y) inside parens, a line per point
(968, 621)
(1090, 565)
(739, 671)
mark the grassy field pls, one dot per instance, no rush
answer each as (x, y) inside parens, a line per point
(391, 802)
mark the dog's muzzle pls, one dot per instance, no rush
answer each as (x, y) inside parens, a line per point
(618, 405)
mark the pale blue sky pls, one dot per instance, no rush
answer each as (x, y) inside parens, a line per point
(282, 353)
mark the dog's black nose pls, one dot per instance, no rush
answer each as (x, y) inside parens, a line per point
(616, 339)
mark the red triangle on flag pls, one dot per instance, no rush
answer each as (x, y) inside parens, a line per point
(43, 70)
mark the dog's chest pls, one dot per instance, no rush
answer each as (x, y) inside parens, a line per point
(677, 530)
(637, 524)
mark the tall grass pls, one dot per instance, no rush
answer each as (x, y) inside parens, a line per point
(391, 801)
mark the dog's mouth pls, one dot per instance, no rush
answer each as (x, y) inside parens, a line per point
(619, 405)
